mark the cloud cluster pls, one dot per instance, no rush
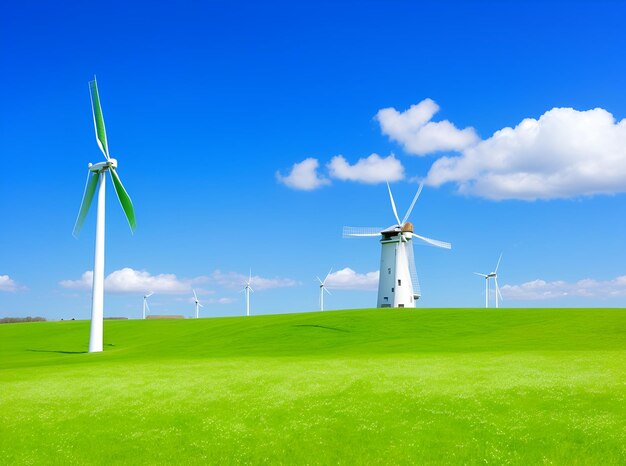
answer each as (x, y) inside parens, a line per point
(128, 280)
(304, 176)
(588, 288)
(348, 279)
(373, 169)
(370, 170)
(565, 153)
(8, 284)
(419, 135)
(234, 280)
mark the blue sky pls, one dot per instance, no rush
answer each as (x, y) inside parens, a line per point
(204, 104)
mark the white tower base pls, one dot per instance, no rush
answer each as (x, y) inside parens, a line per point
(97, 299)
(395, 286)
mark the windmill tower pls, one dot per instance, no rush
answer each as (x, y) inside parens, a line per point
(323, 289)
(398, 285)
(489, 276)
(247, 289)
(145, 304)
(197, 303)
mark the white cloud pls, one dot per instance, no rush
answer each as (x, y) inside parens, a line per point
(587, 288)
(564, 153)
(8, 284)
(304, 176)
(128, 280)
(419, 135)
(348, 279)
(234, 280)
(372, 169)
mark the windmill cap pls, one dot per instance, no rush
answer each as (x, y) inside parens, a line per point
(408, 226)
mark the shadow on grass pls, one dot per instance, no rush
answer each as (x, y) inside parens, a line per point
(322, 326)
(53, 351)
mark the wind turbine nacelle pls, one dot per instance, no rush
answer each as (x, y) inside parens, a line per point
(100, 166)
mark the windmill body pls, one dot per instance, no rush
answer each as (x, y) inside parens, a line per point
(323, 289)
(96, 179)
(146, 308)
(398, 285)
(395, 285)
(247, 289)
(492, 276)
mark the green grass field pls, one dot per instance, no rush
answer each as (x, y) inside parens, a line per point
(511, 386)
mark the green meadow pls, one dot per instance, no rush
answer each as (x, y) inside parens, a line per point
(426, 386)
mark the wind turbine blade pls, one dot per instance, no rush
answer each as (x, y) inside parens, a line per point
(98, 119)
(318, 279)
(250, 276)
(195, 296)
(481, 274)
(498, 289)
(417, 194)
(433, 242)
(90, 189)
(201, 305)
(498, 264)
(147, 306)
(250, 288)
(124, 198)
(149, 294)
(393, 204)
(350, 232)
(327, 275)
(326, 290)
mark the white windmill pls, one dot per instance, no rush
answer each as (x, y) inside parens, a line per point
(145, 303)
(247, 289)
(488, 276)
(96, 178)
(323, 288)
(197, 303)
(398, 285)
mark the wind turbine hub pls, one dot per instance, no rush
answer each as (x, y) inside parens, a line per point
(408, 226)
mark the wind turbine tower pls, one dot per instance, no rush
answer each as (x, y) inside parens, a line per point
(145, 303)
(398, 285)
(489, 276)
(247, 289)
(197, 303)
(96, 178)
(323, 288)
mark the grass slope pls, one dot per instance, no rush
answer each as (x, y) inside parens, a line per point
(353, 387)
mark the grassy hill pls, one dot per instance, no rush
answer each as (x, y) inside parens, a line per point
(355, 387)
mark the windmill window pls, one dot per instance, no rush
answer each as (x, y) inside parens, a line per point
(386, 298)
(400, 305)
(392, 289)
(399, 282)
(389, 271)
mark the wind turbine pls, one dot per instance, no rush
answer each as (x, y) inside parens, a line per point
(247, 289)
(96, 178)
(197, 302)
(493, 275)
(398, 285)
(323, 288)
(145, 303)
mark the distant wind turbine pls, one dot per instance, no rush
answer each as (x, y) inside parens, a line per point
(323, 288)
(247, 289)
(197, 302)
(493, 275)
(145, 303)
(96, 178)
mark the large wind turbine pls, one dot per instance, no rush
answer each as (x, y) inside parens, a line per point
(96, 178)
(247, 289)
(197, 302)
(145, 303)
(493, 275)
(323, 288)
(398, 285)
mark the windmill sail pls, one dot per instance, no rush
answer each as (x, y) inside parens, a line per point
(416, 284)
